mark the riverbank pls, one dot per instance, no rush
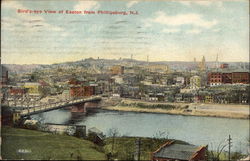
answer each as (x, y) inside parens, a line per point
(191, 109)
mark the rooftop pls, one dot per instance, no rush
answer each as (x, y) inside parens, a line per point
(176, 151)
(229, 70)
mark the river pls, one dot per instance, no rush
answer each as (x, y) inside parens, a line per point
(196, 130)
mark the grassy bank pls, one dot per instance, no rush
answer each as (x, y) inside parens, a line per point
(46, 146)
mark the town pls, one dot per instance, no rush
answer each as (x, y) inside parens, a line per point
(190, 82)
(116, 85)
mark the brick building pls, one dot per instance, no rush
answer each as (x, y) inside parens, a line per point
(80, 88)
(76, 91)
(179, 152)
(240, 77)
(227, 76)
(117, 69)
(17, 91)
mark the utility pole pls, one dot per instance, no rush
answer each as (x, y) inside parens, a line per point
(229, 146)
(138, 149)
(139, 154)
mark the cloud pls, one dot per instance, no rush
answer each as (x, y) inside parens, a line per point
(202, 3)
(131, 3)
(193, 31)
(12, 5)
(216, 30)
(25, 22)
(186, 3)
(171, 30)
(183, 19)
(86, 5)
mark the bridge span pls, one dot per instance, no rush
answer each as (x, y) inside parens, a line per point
(27, 111)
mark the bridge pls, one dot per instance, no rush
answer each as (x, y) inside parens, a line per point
(24, 111)
(52, 106)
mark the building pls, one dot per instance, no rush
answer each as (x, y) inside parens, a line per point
(180, 81)
(96, 136)
(33, 88)
(118, 79)
(117, 69)
(202, 65)
(73, 130)
(195, 82)
(89, 90)
(81, 88)
(240, 76)
(224, 65)
(227, 76)
(17, 91)
(172, 151)
(76, 91)
(4, 75)
(157, 68)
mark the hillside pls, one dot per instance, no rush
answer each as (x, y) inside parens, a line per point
(33, 145)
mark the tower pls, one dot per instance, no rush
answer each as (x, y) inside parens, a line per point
(203, 64)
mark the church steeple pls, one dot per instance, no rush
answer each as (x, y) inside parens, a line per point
(203, 64)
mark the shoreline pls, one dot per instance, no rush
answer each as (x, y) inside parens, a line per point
(184, 109)
(176, 112)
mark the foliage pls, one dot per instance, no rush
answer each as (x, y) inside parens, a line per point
(217, 154)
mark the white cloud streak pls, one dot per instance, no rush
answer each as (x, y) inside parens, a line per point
(12, 5)
(193, 31)
(183, 19)
(131, 3)
(202, 3)
(86, 5)
(171, 30)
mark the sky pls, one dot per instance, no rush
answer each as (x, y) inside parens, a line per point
(162, 30)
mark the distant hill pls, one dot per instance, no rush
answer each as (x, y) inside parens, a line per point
(105, 63)
(21, 68)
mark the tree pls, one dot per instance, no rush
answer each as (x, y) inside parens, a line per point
(214, 155)
(159, 138)
(113, 132)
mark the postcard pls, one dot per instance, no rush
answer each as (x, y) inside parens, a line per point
(125, 80)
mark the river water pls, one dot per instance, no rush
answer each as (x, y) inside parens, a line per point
(196, 130)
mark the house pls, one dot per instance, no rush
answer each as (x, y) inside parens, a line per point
(118, 79)
(172, 151)
(179, 81)
(95, 135)
(73, 130)
(195, 82)
(33, 88)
